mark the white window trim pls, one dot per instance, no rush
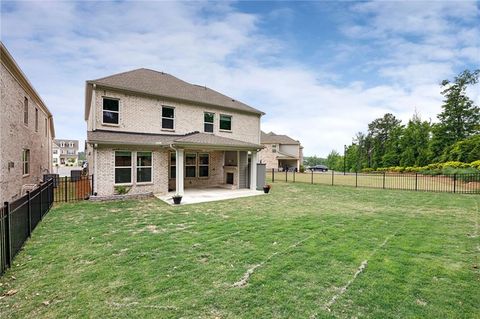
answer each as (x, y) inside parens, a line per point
(26, 111)
(198, 165)
(231, 123)
(131, 168)
(212, 123)
(25, 162)
(119, 107)
(151, 169)
(36, 120)
(168, 118)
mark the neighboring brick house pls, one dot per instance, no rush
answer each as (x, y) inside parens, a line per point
(280, 152)
(65, 152)
(26, 131)
(153, 132)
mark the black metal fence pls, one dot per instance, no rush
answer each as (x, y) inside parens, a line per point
(73, 188)
(19, 218)
(454, 183)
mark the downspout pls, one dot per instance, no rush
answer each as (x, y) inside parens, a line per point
(93, 106)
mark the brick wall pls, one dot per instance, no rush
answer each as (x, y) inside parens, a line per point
(267, 157)
(144, 114)
(15, 136)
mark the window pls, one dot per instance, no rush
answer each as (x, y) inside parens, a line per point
(190, 165)
(26, 161)
(46, 127)
(55, 151)
(25, 111)
(55, 160)
(62, 144)
(173, 165)
(274, 148)
(203, 161)
(70, 152)
(144, 167)
(225, 122)
(123, 167)
(36, 120)
(168, 118)
(110, 111)
(208, 122)
(70, 144)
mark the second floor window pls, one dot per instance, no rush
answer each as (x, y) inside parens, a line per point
(46, 127)
(25, 111)
(36, 120)
(26, 161)
(225, 122)
(168, 117)
(208, 119)
(274, 148)
(110, 111)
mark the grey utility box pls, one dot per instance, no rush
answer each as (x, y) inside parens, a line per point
(261, 175)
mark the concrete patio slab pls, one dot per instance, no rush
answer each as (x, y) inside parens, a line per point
(202, 195)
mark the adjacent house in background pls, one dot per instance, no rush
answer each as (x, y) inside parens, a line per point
(280, 151)
(149, 131)
(65, 152)
(26, 131)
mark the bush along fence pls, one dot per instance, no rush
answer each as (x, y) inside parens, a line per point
(468, 183)
(19, 218)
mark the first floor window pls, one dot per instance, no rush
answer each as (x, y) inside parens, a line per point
(191, 165)
(208, 119)
(144, 167)
(173, 165)
(203, 163)
(168, 117)
(123, 167)
(111, 111)
(225, 122)
(26, 161)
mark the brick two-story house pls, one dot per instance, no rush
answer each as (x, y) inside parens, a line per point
(26, 131)
(65, 152)
(280, 151)
(153, 132)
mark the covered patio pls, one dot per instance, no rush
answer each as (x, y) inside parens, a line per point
(209, 194)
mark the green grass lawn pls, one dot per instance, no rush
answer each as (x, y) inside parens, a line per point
(302, 251)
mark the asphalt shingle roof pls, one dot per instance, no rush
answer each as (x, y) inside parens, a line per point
(272, 138)
(166, 85)
(190, 139)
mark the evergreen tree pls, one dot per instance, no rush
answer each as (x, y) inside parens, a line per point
(379, 132)
(460, 117)
(415, 142)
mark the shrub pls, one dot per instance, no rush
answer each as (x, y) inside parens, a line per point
(122, 190)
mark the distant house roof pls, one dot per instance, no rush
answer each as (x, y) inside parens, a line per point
(161, 84)
(272, 138)
(194, 140)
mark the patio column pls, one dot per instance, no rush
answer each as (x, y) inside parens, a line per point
(253, 171)
(179, 172)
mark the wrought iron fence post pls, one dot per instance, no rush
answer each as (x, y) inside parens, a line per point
(455, 182)
(273, 175)
(40, 195)
(333, 173)
(383, 180)
(29, 207)
(294, 175)
(8, 235)
(286, 176)
(66, 189)
(416, 181)
(356, 179)
(312, 176)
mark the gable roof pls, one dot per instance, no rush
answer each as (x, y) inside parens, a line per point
(272, 138)
(194, 139)
(161, 84)
(11, 65)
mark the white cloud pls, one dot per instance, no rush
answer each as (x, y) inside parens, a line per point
(214, 44)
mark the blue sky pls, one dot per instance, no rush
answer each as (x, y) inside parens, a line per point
(320, 70)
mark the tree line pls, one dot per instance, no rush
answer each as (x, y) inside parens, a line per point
(390, 143)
